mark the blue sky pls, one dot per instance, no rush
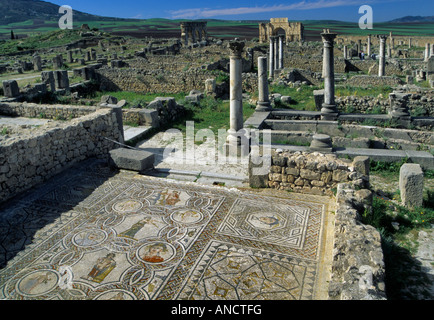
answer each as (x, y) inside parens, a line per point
(344, 10)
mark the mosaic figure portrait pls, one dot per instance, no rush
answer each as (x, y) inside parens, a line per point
(102, 268)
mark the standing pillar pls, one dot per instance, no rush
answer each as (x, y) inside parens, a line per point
(70, 58)
(426, 51)
(263, 99)
(329, 110)
(235, 94)
(409, 43)
(345, 52)
(280, 52)
(359, 46)
(369, 46)
(276, 52)
(271, 61)
(432, 50)
(382, 58)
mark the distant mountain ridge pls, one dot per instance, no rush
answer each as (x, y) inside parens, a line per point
(413, 19)
(13, 11)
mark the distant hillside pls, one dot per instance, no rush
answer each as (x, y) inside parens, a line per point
(413, 19)
(23, 10)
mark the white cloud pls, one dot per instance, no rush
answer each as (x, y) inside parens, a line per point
(302, 5)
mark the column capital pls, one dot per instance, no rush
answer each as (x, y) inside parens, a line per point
(328, 37)
(382, 37)
(236, 48)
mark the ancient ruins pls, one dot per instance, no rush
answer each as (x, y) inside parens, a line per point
(102, 164)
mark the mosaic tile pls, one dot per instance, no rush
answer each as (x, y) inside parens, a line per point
(98, 234)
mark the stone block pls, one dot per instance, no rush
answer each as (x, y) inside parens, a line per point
(411, 185)
(131, 159)
(150, 117)
(362, 164)
(11, 89)
(259, 168)
(318, 96)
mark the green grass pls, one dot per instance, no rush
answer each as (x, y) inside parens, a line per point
(210, 114)
(399, 227)
(45, 40)
(300, 100)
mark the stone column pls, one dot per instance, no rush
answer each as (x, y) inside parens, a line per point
(426, 51)
(369, 46)
(431, 50)
(382, 58)
(235, 93)
(389, 52)
(280, 52)
(263, 99)
(329, 110)
(409, 43)
(271, 58)
(359, 45)
(345, 52)
(276, 52)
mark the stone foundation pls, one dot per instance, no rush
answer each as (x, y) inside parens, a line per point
(358, 268)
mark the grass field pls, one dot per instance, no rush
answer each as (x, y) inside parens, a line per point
(217, 28)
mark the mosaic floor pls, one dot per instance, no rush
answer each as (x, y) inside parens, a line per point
(91, 233)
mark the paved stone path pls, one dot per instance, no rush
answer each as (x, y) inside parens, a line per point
(92, 233)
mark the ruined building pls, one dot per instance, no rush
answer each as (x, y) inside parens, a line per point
(293, 31)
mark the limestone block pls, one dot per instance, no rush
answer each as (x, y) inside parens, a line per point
(361, 164)
(411, 185)
(10, 88)
(130, 159)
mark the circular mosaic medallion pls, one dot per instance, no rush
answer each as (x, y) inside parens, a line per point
(125, 206)
(156, 252)
(187, 216)
(38, 283)
(89, 238)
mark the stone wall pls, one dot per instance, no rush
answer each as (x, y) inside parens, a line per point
(312, 173)
(369, 81)
(419, 104)
(39, 153)
(358, 268)
(46, 111)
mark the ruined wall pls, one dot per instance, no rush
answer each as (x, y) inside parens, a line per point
(312, 173)
(34, 155)
(33, 110)
(358, 268)
(419, 104)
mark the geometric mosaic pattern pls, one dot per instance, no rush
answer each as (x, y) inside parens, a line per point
(92, 233)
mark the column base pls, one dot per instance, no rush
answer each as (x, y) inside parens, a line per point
(263, 106)
(321, 143)
(329, 112)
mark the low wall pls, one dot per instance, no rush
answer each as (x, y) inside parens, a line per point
(46, 111)
(419, 104)
(311, 173)
(38, 154)
(358, 268)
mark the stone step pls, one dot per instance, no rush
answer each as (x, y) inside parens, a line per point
(203, 177)
(135, 133)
